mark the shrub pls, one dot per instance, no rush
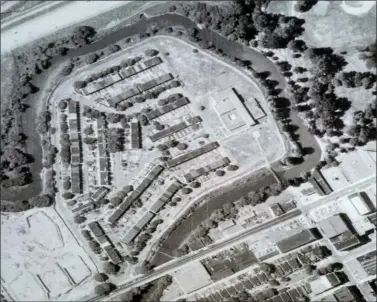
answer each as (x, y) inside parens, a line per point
(79, 219)
(68, 195)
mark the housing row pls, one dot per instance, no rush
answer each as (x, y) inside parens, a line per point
(94, 198)
(104, 159)
(173, 129)
(123, 207)
(105, 242)
(192, 154)
(167, 108)
(75, 147)
(147, 217)
(113, 78)
(192, 175)
(140, 88)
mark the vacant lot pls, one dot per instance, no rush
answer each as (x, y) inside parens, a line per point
(41, 260)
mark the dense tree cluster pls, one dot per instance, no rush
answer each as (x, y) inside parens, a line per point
(104, 289)
(43, 122)
(369, 55)
(40, 201)
(304, 5)
(354, 79)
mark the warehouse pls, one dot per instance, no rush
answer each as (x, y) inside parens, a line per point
(361, 203)
(335, 228)
(192, 175)
(167, 108)
(296, 240)
(192, 154)
(173, 129)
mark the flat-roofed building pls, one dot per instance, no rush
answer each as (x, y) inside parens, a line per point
(324, 283)
(135, 134)
(298, 239)
(361, 203)
(166, 196)
(73, 107)
(76, 179)
(73, 125)
(192, 154)
(335, 228)
(167, 108)
(231, 110)
(113, 254)
(155, 82)
(175, 128)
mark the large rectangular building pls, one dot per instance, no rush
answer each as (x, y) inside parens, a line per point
(296, 240)
(125, 95)
(231, 110)
(361, 203)
(192, 154)
(144, 220)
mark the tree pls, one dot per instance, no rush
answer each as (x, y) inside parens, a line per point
(40, 201)
(88, 130)
(67, 69)
(110, 268)
(79, 219)
(104, 289)
(304, 5)
(62, 104)
(232, 168)
(68, 195)
(100, 277)
(194, 184)
(186, 190)
(182, 146)
(83, 35)
(151, 52)
(115, 201)
(79, 84)
(220, 173)
(297, 45)
(267, 268)
(86, 234)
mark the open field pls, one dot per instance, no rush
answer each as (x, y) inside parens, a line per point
(41, 260)
(328, 24)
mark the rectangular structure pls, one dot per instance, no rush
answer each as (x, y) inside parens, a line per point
(96, 228)
(113, 254)
(299, 239)
(333, 226)
(101, 83)
(99, 194)
(155, 82)
(192, 175)
(166, 196)
(76, 179)
(167, 108)
(73, 107)
(135, 135)
(192, 154)
(173, 129)
(144, 220)
(123, 96)
(361, 205)
(135, 194)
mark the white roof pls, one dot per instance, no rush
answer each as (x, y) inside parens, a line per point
(333, 226)
(320, 285)
(192, 277)
(223, 225)
(359, 204)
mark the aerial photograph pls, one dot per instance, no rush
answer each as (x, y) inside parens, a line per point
(188, 151)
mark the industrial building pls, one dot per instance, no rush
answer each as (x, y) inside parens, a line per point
(324, 283)
(361, 202)
(192, 175)
(298, 239)
(192, 154)
(167, 108)
(340, 235)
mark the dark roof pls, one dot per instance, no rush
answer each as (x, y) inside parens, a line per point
(155, 82)
(299, 239)
(192, 154)
(100, 193)
(123, 96)
(135, 135)
(96, 228)
(167, 108)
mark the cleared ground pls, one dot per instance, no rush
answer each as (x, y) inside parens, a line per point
(41, 260)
